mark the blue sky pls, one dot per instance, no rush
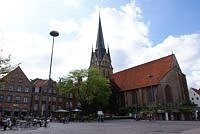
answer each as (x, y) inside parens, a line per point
(170, 17)
(136, 32)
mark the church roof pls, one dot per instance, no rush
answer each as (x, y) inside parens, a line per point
(143, 75)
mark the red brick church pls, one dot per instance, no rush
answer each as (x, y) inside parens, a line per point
(159, 85)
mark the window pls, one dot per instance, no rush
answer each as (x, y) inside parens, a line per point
(60, 99)
(54, 91)
(35, 107)
(54, 99)
(1, 87)
(49, 98)
(43, 107)
(150, 95)
(192, 98)
(168, 94)
(70, 104)
(53, 107)
(25, 99)
(11, 88)
(36, 97)
(45, 90)
(50, 90)
(197, 98)
(9, 98)
(17, 98)
(59, 107)
(37, 90)
(26, 89)
(19, 88)
(134, 97)
(1, 97)
(44, 98)
(67, 105)
(69, 95)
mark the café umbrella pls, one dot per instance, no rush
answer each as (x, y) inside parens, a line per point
(76, 110)
(61, 111)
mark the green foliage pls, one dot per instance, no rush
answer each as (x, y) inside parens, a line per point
(88, 87)
(99, 88)
(5, 65)
(188, 107)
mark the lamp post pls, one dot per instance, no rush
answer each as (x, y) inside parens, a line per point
(49, 83)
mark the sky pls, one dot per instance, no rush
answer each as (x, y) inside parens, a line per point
(136, 31)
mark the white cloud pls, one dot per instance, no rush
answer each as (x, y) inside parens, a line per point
(73, 3)
(68, 26)
(187, 49)
(11, 10)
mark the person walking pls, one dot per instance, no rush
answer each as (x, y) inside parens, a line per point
(100, 115)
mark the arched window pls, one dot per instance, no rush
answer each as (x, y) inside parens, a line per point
(168, 94)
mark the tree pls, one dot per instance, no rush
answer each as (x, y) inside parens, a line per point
(88, 87)
(99, 88)
(5, 65)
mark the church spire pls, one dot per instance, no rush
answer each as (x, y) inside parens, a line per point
(100, 59)
(108, 52)
(100, 47)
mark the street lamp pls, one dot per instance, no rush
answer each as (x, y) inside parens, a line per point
(53, 34)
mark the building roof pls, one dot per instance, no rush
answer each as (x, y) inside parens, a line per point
(143, 75)
(196, 90)
(40, 83)
(13, 72)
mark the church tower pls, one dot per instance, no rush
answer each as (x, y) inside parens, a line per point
(100, 58)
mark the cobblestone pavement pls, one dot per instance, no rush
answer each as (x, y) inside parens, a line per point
(115, 127)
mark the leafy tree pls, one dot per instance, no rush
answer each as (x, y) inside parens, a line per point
(88, 87)
(5, 65)
(98, 87)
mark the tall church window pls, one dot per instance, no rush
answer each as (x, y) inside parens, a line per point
(134, 98)
(168, 94)
(150, 95)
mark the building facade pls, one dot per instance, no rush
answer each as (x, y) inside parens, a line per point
(158, 85)
(100, 58)
(20, 97)
(47, 97)
(15, 94)
(195, 96)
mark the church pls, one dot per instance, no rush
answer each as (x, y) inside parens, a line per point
(158, 87)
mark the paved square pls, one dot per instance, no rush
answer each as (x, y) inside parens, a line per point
(115, 127)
